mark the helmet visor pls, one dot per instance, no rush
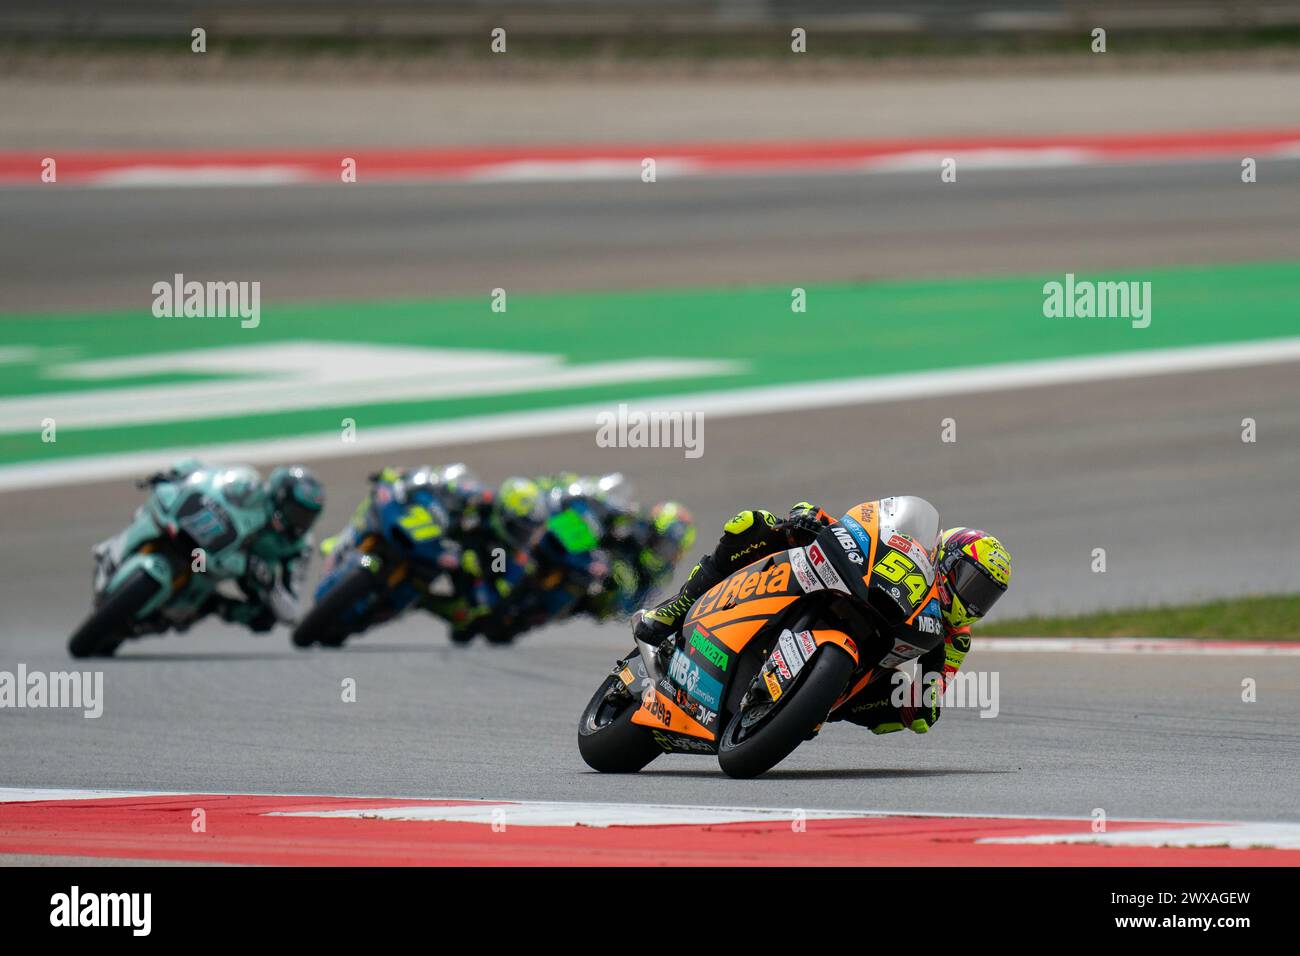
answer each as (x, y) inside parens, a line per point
(978, 592)
(298, 517)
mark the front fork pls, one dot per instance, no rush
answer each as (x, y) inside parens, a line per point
(649, 655)
(634, 673)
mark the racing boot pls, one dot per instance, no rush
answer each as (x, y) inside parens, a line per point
(745, 537)
(652, 628)
(655, 625)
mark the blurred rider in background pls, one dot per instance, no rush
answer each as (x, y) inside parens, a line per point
(535, 550)
(278, 554)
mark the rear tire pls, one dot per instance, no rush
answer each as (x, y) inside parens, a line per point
(808, 704)
(103, 632)
(608, 740)
(322, 624)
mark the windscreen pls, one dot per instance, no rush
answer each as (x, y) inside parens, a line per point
(912, 516)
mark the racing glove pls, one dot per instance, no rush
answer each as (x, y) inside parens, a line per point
(805, 521)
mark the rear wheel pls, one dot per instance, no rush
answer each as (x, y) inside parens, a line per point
(758, 738)
(109, 625)
(324, 623)
(607, 738)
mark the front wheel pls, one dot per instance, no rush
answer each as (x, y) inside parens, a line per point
(607, 739)
(109, 625)
(324, 624)
(755, 740)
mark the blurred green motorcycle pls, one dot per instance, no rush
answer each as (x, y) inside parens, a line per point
(164, 571)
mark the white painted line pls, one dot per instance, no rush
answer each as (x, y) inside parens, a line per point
(1132, 645)
(572, 170)
(990, 158)
(1238, 836)
(597, 810)
(16, 354)
(546, 814)
(23, 795)
(719, 404)
(299, 375)
(213, 175)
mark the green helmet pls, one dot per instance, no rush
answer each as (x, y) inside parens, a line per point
(296, 498)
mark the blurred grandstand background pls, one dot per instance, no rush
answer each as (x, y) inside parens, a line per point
(611, 18)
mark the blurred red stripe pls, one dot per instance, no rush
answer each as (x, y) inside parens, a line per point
(458, 163)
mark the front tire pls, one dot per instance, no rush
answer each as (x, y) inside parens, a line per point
(103, 632)
(608, 740)
(745, 755)
(323, 623)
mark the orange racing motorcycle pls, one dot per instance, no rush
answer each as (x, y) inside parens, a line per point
(768, 654)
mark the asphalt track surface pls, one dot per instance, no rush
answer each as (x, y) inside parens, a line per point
(56, 104)
(1138, 736)
(68, 247)
(1153, 470)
